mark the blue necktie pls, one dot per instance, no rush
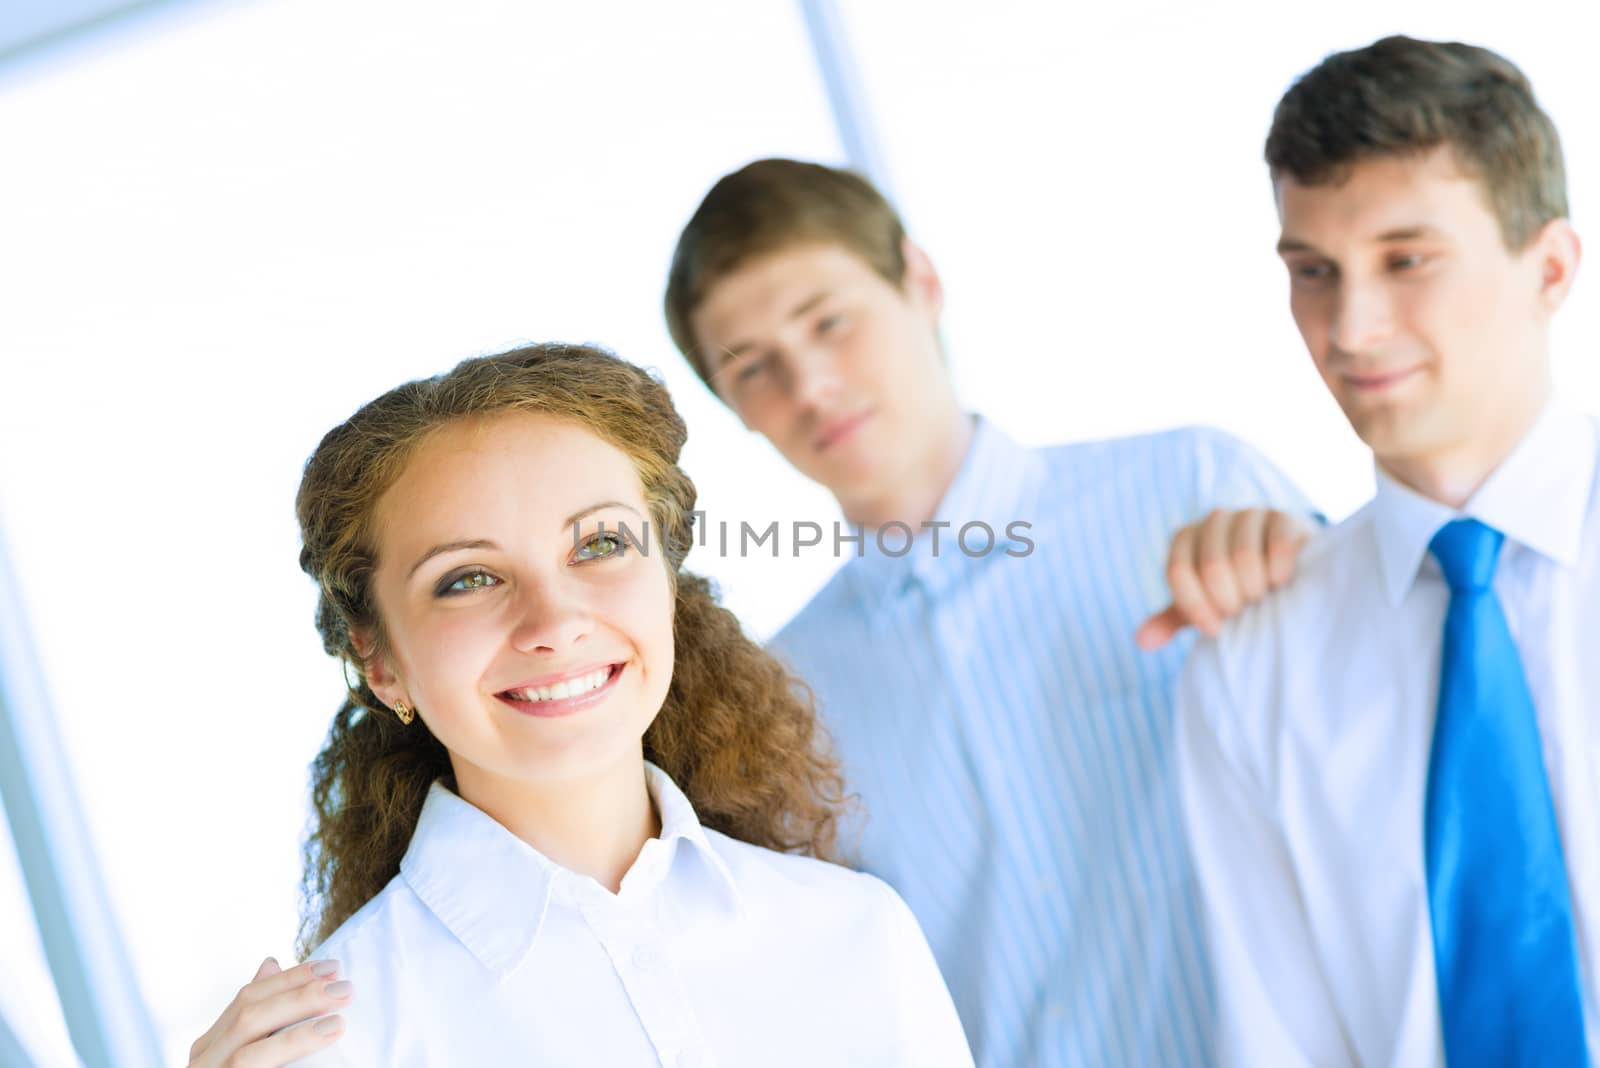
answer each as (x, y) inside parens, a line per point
(1503, 939)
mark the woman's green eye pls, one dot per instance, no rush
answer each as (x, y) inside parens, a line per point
(600, 546)
(472, 580)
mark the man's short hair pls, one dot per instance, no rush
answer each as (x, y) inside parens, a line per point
(1400, 96)
(768, 206)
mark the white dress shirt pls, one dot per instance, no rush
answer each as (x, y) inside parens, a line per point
(713, 952)
(1304, 741)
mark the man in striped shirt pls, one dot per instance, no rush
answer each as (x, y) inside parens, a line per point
(1011, 746)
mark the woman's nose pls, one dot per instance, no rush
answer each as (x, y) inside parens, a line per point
(549, 619)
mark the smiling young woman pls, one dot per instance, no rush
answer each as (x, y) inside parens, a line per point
(569, 813)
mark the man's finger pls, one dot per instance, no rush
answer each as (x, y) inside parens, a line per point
(1286, 536)
(288, 1046)
(1213, 565)
(1247, 550)
(1189, 598)
(1160, 628)
(261, 1019)
(269, 980)
(273, 984)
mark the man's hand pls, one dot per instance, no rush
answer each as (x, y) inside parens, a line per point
(1222, 564)
(244, 1036)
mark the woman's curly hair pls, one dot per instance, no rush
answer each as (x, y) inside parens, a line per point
(736, 732)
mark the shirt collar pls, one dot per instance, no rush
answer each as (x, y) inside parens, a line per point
(492, 890)
(681, 831)
(996, 484)
(1538, 497)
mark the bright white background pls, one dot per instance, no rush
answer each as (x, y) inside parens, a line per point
(225, 227)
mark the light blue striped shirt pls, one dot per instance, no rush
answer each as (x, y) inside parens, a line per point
(1013, 749)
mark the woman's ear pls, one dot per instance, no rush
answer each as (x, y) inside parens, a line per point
(381, 679)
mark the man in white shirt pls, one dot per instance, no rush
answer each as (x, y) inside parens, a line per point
(1389, 769)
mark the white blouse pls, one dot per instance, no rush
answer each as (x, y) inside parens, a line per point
(714, 952)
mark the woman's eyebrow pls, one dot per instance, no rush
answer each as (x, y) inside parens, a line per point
(485, 543)
(577, 517)
(450, 547)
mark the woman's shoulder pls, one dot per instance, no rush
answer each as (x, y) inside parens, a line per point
(771, 876)
(372, 948)
(851, 950)
(373, 943)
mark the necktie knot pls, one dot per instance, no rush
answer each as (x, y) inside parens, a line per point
(1467, 552)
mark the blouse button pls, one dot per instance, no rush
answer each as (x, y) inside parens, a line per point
(646, 959)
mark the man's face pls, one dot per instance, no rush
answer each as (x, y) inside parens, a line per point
(835, 366)
(1424, 326)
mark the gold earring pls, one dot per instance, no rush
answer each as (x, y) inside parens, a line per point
(404, 712)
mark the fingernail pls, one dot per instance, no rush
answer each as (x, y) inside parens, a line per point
(341, 989)
(328, 1025)
(324, 968)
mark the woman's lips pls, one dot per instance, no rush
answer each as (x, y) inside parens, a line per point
(548, 707)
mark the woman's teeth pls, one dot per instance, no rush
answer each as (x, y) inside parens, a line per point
(560, 691)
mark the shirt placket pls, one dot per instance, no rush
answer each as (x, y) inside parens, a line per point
(1571, 756)
(640, 954)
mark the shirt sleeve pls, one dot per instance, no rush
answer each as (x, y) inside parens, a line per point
(1232, 475)
(929, 1030)
(1273, 1002)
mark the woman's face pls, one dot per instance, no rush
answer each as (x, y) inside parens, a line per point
(536, 647)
